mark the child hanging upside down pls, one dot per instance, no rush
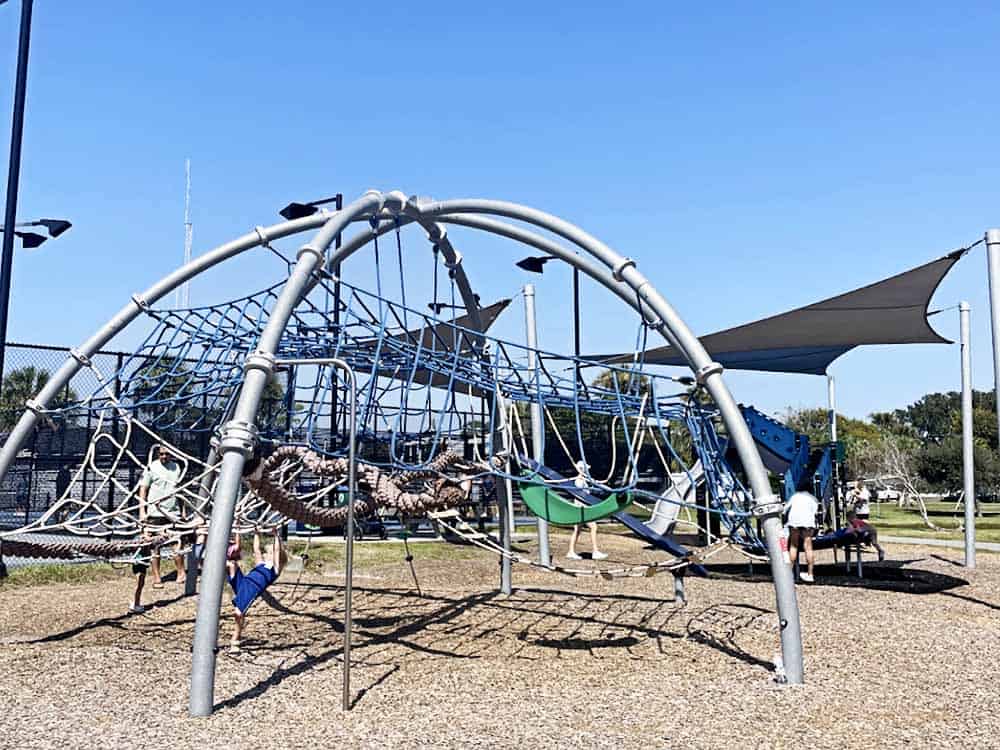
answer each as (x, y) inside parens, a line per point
(247, 587)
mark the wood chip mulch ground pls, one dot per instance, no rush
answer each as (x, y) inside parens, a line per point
(908, 657)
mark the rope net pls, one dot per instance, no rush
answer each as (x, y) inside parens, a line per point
(441, 406)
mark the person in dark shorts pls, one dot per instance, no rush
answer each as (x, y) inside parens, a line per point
(247, 587)
(140, 566)
(802, 511)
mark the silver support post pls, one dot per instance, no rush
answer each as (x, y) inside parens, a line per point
(352, 483)
(505, 491)
(993, 271)
(831, 397)
(968, 466)
(237, 444)
(505, 504)
(537, 426)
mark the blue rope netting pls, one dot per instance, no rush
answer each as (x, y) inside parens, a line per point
(423, 383)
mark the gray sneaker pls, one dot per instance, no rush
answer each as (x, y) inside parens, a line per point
(136, 609)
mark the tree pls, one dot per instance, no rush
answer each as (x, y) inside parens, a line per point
(816, 424)
(22, 384)
(168, 395)
(941, 464)
(931, 418)
(891, 463)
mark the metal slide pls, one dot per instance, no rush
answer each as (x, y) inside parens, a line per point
(681, 490)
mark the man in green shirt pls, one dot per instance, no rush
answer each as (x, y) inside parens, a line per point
(158, 504)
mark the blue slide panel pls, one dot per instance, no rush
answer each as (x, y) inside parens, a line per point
(780, 445)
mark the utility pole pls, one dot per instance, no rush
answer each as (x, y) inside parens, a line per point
(14, 173)
(184, 293)
(993, 272)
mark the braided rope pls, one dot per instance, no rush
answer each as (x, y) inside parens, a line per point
(384, 490)
(70, 551)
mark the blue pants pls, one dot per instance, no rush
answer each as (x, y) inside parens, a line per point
(248, 587)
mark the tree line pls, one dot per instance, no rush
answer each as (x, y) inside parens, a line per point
(920, 444)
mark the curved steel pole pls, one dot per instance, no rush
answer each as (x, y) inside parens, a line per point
(709, 375)
(139, 303)
(238, 443)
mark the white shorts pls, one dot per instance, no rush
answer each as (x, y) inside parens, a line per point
(797, 519)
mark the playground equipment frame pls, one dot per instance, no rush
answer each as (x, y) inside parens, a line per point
(617, 273)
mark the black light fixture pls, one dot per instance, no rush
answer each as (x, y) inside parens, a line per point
(534, 264)
(55, 227)
(296, 210)
(30, 240)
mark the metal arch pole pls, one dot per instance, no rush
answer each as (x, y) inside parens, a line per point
(709, 375)
(237, 444)
(537, 426)
(993, 271)
(579, 262)
(14, 173)
(968, 464)
(352, 483)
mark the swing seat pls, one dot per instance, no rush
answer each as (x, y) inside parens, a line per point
(545, 503)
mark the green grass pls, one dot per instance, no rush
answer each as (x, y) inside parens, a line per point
(385, 554)
(365, 555)
(53, 573)
(41, 575)
(889, 519)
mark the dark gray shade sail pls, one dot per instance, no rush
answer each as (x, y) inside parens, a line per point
(808, 339)
(448, 340)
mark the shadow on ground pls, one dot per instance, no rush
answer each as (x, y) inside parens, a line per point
(889, 575)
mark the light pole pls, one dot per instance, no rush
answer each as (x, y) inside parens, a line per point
(536, 264)
(295, 210)
(14, 172)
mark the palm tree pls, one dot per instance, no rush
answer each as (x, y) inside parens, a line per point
(22, 384)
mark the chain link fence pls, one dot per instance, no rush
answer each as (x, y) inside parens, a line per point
(47, 465)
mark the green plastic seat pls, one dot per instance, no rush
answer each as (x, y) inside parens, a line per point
(548, 504)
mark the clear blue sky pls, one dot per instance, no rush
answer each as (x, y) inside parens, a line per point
(751, 159)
